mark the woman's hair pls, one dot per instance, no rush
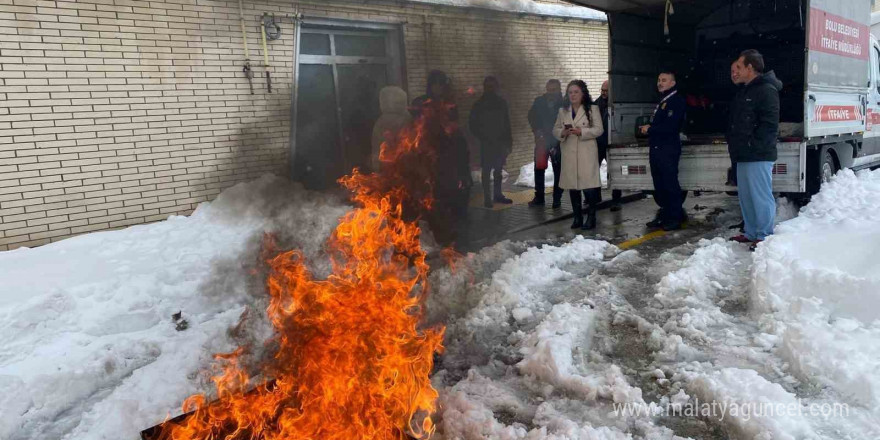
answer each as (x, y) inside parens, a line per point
(587, 100)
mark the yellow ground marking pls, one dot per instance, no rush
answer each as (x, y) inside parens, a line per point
(637, 241)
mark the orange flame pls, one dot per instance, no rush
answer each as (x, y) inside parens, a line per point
(351, 361)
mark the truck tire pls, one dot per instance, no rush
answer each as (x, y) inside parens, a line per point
(827, 167)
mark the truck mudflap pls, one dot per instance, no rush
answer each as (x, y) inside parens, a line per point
(704, 168)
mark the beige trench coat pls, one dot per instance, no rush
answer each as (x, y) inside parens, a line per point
(580, 154)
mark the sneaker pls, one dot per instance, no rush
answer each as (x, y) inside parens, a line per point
(504, 200)
(536, 203)
(740, 239)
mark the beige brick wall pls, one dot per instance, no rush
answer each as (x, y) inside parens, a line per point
(119, 112)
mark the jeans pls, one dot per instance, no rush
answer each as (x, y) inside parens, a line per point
(755, 186)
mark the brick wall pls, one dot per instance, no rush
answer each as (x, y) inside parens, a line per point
(119, 112)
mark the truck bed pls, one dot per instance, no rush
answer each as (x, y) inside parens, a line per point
(703, 167)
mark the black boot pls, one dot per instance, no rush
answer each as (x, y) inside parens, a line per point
(590, 223)
(537, 202)
(577, 208)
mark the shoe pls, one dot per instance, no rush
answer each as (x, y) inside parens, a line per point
(557, 203)
(740, 239)
(671, 226)
(504, 200)
(754, 245)
(578, 223)
(590, 223)
(656, 223)
(488, 203)
(616, 207)
(536, 203)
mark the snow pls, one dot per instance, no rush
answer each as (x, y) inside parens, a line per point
(754, 407)
(527, 175)
(817, 281)
(543, 340)
(524, 6)
(89, 349)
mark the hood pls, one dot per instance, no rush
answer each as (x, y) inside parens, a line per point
(769, 78)
(392, 100)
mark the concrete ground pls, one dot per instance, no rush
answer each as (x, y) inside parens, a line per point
(519, 222)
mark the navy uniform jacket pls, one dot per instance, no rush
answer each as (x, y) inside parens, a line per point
(667, 121)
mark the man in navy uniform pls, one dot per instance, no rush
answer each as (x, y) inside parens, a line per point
(665, 151)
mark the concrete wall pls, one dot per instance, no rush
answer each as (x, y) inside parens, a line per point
(119, 112)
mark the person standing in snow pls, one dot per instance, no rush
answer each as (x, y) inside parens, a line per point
(751, 139)
(490, 124)
(542, 117)
(602, 141)
(392, 102)
(452, 178)
(664, 141)
(578, 124)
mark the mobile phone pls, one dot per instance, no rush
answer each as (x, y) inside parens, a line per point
(568, 126)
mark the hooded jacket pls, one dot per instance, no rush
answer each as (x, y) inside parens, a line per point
(754, 120)
(392, 101)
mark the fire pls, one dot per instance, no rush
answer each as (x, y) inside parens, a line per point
(351, 360)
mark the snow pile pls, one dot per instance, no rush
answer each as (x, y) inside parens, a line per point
(520, 364)
(527, 175)
(818, 282)
(524, 6)
(694, 295)
(89, 346)
(751, 406)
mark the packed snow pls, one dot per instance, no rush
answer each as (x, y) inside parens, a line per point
(545, 340)
(527, 175)
(525, 7)
(817, 281)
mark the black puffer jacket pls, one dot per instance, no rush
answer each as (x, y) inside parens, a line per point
(754, 121)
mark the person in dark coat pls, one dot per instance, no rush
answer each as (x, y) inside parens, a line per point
(665, 151)
(452, 174)
(602, 102)
(490, 124)
(542, 117)
(751, 139)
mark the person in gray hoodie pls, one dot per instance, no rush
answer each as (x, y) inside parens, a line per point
(395, 116)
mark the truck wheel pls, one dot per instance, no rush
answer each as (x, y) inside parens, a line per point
(827, 167)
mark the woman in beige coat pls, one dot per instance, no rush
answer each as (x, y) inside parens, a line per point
(578, 125)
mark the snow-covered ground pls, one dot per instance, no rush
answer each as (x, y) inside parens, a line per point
(544, 341)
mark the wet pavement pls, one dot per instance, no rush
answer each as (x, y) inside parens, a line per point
(519, 222)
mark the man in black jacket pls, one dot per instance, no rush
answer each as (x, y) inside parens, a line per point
(665, 151)
(751, 139)
(490, 124)
(542, 118)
